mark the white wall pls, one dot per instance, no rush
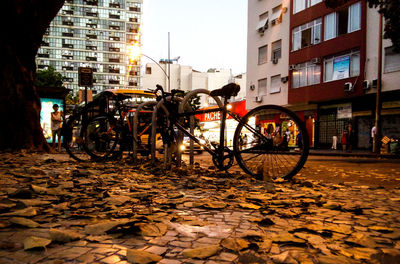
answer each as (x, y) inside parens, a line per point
(390, 80)
(255, 40)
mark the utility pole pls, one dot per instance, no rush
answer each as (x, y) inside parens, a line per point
(377, 137)
(169, 64)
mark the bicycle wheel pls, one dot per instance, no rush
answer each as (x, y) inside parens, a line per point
(100, 137)
(271, 142)
(73, 140)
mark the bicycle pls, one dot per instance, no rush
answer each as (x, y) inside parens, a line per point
(263, 154)
(107, 136)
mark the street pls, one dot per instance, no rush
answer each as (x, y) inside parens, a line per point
(337, 210)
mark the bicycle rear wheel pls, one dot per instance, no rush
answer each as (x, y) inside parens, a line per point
(100, 137)
(73, 140)
(271, 142)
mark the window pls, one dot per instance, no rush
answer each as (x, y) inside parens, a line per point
(276, 50)
(300, 5)
(262, 87)
(307, 34)
(262, 54)
(306, 74)
(263, 22)
(342, 22)
(276, 15)
(392, 60)
(148, 70)
(343, 66)
(275, 84)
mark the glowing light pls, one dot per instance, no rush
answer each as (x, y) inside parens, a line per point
(182, 147)
(229, 107)
(252, 119)
(134, 52)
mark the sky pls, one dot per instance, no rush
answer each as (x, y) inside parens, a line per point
(204, 33)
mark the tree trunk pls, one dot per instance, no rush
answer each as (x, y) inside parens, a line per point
(23, 24)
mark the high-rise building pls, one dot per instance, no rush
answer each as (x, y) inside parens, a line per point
(96, 34)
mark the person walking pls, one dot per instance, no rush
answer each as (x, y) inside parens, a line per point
(344, 140)
(56, 121)
(373, 134)
(334, 140)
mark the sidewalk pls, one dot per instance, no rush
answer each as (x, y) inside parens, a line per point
(354, 153)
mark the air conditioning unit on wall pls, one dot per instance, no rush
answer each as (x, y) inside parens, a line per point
(258, 99)
(366, 85)
(316, 60)
(292, 67)
(348, 87)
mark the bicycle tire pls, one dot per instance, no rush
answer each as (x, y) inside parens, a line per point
(266, 156)
(101, 137)
(73, 140)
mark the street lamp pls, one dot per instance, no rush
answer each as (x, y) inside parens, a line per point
(134, 53)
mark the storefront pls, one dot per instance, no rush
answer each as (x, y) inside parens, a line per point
(210, 123)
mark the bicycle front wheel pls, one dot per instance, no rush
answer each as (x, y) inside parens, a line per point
(72, 138)
(100, 137)
(271, 142)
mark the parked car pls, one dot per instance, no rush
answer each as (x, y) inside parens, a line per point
(185, 147)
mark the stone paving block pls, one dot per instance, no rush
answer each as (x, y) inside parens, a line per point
(180, 244)
(169, 261)
(104, 250)
(157, 250)
(111, 259)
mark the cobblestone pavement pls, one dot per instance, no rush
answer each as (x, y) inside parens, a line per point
(54, 210)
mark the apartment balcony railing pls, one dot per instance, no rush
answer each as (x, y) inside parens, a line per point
(67, 34)
(91, 47)
(71, 46)
(113, 81)
(114, 60)
(91, 36)
(114, 16)
(88, 58)
(114, 27)
(68, 23)
(43, 55)
(114, 49)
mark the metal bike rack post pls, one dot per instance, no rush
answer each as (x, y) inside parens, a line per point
(167, 152)
(135, 125)
(182, 109)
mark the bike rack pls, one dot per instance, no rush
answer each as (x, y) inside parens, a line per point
(181, 110)
(135, 125)
(167, 152)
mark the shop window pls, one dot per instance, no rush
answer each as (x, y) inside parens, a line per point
(275, 84)
(305, 74)
(343, 66)
(262, 87)
(262, 54)
(307, 34)
(392, 60)
(343, 21)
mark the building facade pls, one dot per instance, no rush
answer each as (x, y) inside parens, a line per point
(333, 70)
(96, 34)
(187, 79)
(267, 52)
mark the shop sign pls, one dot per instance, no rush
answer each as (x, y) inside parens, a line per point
(392, 104)
(344, 112)
(214, 116)
(341, 67)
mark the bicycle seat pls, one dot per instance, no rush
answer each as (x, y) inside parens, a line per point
(231, 89)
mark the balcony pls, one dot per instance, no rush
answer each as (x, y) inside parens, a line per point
(113, 49)
(134, 9)
(92, 14)
(132, 30)
(132, 73)
(68, 57)
(113, 70)
(114, 27)
(67, 68)
(91, 36)
(67, 34)
(114, 5)
(69, 12)
(90, 2)
(91, 25)
(40, 66)
(69, 1)
(114, 16)
(91, 58)
(114, 38)
(68, 79)
(133, 19)
(68, 23)
(91, 47)
(116, 60)
(132, 83)
(43, 55)
(70, 46)
(113, 81)
(47, 32)
(44, 43)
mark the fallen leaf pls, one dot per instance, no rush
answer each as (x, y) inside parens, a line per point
(35, 242)
(141, 257)
(23, 222)
(235, 244)
(29, 211)
(201, 252)
(63, 235)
